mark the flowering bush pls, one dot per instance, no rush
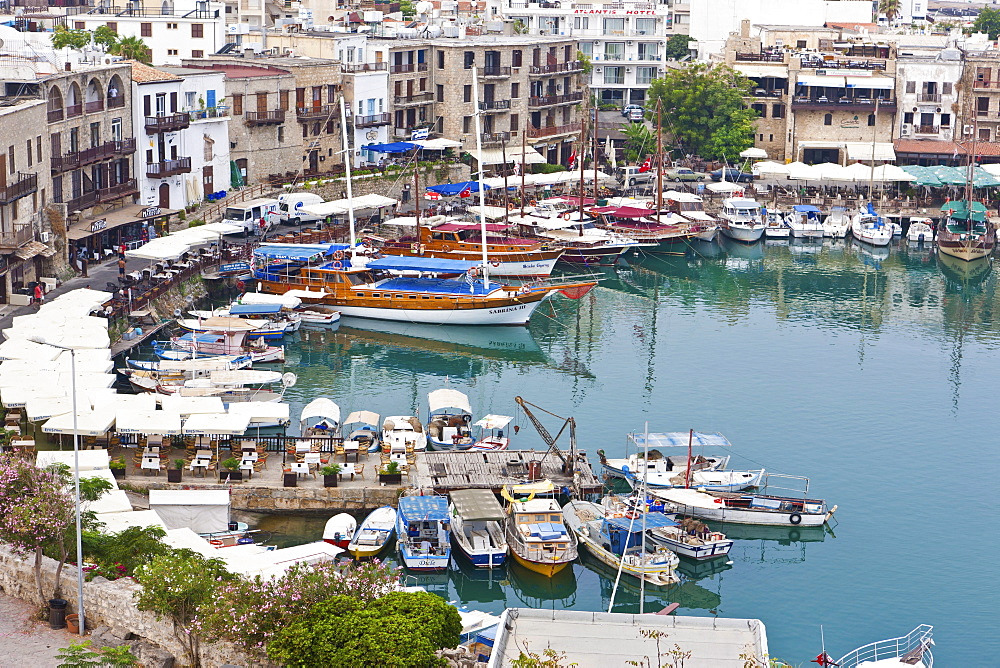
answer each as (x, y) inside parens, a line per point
(249, 613)
(107, 571)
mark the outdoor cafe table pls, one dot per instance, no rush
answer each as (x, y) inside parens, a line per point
(351, 447)
(347, 469)
(302, 446)
(249, 456)
(311, 458)
(247, 466)
(151, 464)
(200, 464)
(301, 468)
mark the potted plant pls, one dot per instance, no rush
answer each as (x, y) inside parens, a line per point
(390, 474)
(330, 472)
(174, 475)
(117, 467)
(232, 472)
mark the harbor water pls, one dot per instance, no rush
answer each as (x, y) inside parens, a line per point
(871, 371)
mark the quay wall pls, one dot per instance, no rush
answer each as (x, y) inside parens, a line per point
(108, 603)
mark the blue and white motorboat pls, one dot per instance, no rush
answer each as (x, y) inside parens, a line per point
(684, 536)
(871, 228)
(477, 527)
(269, 316)
(194, 367)
(776, 224)
(423, 525)
(804, 221)
(450, 418)
(374, 534)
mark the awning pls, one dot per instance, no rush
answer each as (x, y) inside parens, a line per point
(863, 151)
(191, 405)
(451, 189)
(822, 81)
(395, 147)
(90, 460)
(762, 71)
(231, 424)
(300, 252)
(109, 220)
(89, 423)
(495, 156)
(423, 508)
(446, 398)
(680, 438)
(343, 206)
(261, 411)
(631, 212)
(493, 421)
(164, 423)
(322, 407)
(254, 309)
(477, 505)
(874, 83)
(422, 264)
(438, 144)
(363, 417)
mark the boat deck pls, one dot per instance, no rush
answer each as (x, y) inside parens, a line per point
(471, 469)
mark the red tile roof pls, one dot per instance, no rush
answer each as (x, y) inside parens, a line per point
(939, 147)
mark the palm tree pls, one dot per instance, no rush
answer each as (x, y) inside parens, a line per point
(890, 8)
(132, 48)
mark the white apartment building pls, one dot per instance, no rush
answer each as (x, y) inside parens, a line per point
(182, 128)
(625, 41)
(366, 87)
(928, 80)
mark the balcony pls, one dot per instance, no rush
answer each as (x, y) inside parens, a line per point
(980, 84)
(495, 71)
(929, 97)
(819, 63)
(613, 56)
(494, 138)
(75, 160)
(322, 112)
(24, 185)
(21, 235)
(167, 123)
(74, 110)
(372, 121)
(553, 130)
(94, 107)
(348, 68)
(556, 68)
(116, 102)
(845, 104)
(926, 129)
(108, 194)
(55, 115)
(765, 57)
(549, 100)
(275, 117)
(407, 68)
(495, 105)
(161, 170)
(211, 112)
(414, 98)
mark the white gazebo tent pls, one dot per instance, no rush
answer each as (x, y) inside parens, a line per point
(164, 423)
(201, 510)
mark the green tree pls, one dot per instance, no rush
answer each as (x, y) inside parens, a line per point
(704, 110)
(66, 37)
(401, 630)
(131, 548)
(131, 48)
(677, 46)
(175, 586)
(639, 141)
(520, 28)
(585, 63)
(105, 36)
(890, 8)
(407, 8)
(79, 655)
(988, 22)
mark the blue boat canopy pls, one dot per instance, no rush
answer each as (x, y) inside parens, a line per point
(395, 147)
(435, 265)
(254, 309)
(300, 252)
(679, 439)
(653, 521)
(418, 508)
(806, 208)
(451, 189)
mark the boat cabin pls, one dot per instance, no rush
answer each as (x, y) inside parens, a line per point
(540, 523)
(425, 523)
(740, 209)
(458, 235)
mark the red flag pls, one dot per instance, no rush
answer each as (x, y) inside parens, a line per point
(824, 660)
(466, 193)
(572, 160)
(645, 167)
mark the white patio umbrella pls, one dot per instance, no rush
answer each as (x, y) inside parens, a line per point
(770, 168)
(857, 172)
(89, 423)
(753, 152)
(261, 411)
(893, 173)
(726, 187)
(163, 423)
(186, 406)
(223, 424)
(800, 171)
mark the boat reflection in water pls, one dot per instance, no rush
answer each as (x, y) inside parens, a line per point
(771, 544)
(540, 591)
(743, 257)
(708, 249)
(690, 595)
(480, 585)
(963, 275)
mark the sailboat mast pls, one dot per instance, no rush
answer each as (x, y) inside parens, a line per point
(597, 143)
(659, 162)
(523, 146)
(871, 174)
(579, 158)
(503, 156)
(642, 509)
(479, 181)
(687, 474)
(416, 194)
(347, 173)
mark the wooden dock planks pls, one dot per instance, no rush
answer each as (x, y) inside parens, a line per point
(470, 469)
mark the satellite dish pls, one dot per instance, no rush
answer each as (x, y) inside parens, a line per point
(289, 379)
(177, 313)
(189, 299)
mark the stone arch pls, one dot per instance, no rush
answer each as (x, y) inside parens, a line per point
(94, 92)
(116, 92)
(55, 99)
(74, 96)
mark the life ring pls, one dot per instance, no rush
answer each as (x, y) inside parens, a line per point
(495, 264)
(446, 248)
(415, 247)
(474, 271)
(338, 255)
(795, 518)
(632, 515)
(650, 204)
(215, 542)
(337, 264)
(565, 216)
(241, 285)
(532, 203)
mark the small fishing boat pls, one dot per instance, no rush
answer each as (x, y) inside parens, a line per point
(492, 435)
(194, 368)
(685, 536)
(230, 386)
(238, 533)
(804, 221)
(618, 541)
(448, 427)
(913, 649)
(256, 329)
(477, 527)
(537, 537)
(222, 336)
(269, 317)
(320, 417)
(745, 508)
(423, 524)
(776, 227)
(374, 534)
(582, 242)
(339, 530)
(920, 230)
(403, 433)
(319, 318)
(741, 219)
(870, 228)
(361, 428)
(837, 223)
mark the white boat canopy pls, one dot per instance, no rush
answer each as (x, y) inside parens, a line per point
(363, 417)
(494, 421)
(725, 187)
(227, 424)
(264, 298)
(132, 421)
(320, 407)
(261, 411)
(201, 510)
(90, 460)
(186, 406)
(679, 439)
(446, 398)
(88, 423)
(477, 505)
(342, 206)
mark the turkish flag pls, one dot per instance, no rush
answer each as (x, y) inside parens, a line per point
(824, 660)
(645, 167)
(572, 160)
(466, 193)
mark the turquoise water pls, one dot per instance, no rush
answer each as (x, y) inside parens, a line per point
(870, 372)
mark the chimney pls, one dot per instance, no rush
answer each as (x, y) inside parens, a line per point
(248, 53)
(745, 28)
(68, 66)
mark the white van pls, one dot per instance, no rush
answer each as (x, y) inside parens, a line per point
(290, 208)
(631, 176)
(249, 213)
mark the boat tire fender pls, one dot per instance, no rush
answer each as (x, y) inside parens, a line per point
(795, 518)
(241, 285)
(446, 248)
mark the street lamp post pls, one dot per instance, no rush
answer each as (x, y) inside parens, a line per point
(76, 482)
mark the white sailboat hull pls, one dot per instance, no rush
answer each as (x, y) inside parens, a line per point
(776, 232)
(518, 314)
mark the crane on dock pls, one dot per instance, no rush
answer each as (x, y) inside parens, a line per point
(567, 461)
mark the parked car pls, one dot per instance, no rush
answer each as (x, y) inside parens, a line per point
(629, 108)
(631, 176)
(683, 174)
(733, 175)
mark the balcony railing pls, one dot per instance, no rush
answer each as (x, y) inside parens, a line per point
(494, 105)
(415, 98)
(844, 103)
(548, 100)
(372, 121)
(21, 235)
(556, 68)
(94, 107)
(613, 56)
(161, 170)
(116, 102)
(927, 129)
(24, 185)
(55, 115)
(363, 67)
(820, 64)
(275, 117)
(167, 123)
(211, 112)
(322, 112)
(74, 110)
(761, 57)
(114, 192)
(494, 137)
(495, 71)
(554, 130)
(407, 67)
(91, 155)
(929, 97)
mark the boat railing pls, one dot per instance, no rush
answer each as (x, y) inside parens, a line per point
(568, 279)
(785, 482)
(915, 645)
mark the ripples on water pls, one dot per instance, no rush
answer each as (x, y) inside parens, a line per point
(870, 371)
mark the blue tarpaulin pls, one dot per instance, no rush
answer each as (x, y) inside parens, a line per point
(653, 521)
(438, 286)
(417, 508)
(296, 251)
(451, 189)
(254, 309)
(680, 438)
(423, 264)
(806, 208)
(395, 147)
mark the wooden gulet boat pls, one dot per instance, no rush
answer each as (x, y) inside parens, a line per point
(965, 233)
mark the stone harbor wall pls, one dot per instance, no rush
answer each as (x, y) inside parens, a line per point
(246, 497)
(111, 605)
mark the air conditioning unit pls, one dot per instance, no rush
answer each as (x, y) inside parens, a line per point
(905, 130)
(44, 237)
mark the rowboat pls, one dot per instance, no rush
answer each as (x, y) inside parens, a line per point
(492, 436)
(361, 428)
(537, 537)
(339, 530)
(194, 368)
(477, 527)
(423, 524)
(374, 534)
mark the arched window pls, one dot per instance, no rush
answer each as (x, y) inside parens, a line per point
(828, 119)
(55, 99)
(116, 92)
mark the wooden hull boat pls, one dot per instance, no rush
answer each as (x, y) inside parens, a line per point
(375, 533)
(744, 508)
(965, 246)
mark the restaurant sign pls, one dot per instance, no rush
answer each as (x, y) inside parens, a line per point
(99, 225)
(617, 12)
(149, 212)
(234, 267)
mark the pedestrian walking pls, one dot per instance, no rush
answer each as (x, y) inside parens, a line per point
(121, 267)
(39, 294)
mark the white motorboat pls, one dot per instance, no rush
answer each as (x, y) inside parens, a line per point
(777, 226)
(837, 223)
(492, 436)
(230, 386)
(423, 527)
(477, 527)
(741, 219)
(618, 541)
(448, 427)
(340, 529)
(194, 368)
(403, 433)
(317, 318)
(374, 534)
(870, 228)
(361, 428)
(320, 417)
(920, 230)
(804, 220)
(913, 649)
(745, 507)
